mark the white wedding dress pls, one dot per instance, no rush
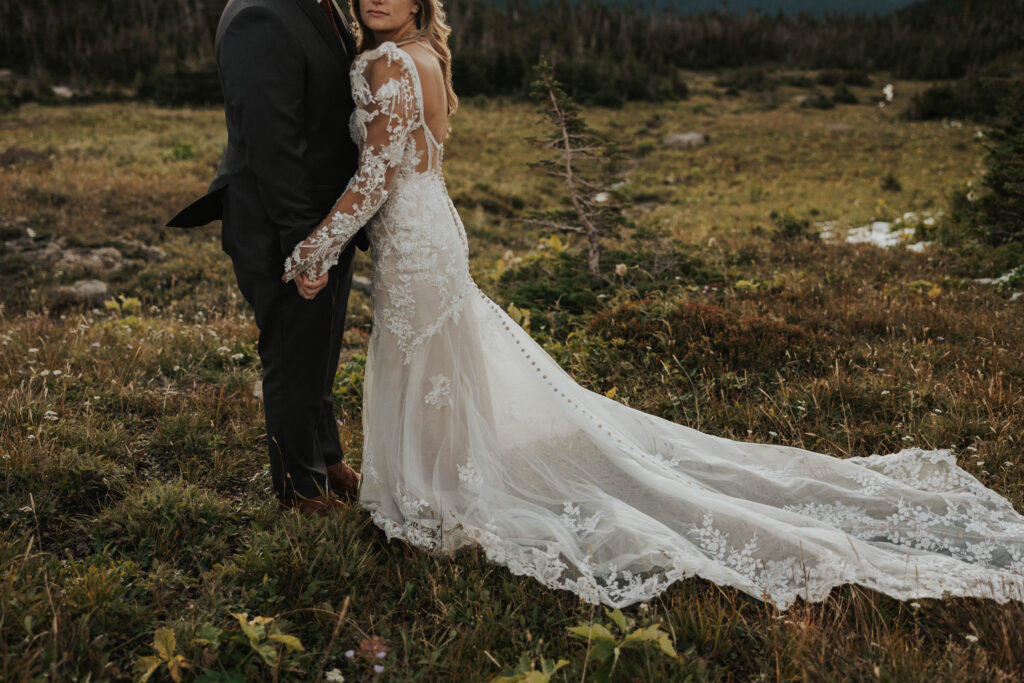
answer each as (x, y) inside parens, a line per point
(474, 436)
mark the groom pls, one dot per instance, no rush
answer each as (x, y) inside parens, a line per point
(284, 71)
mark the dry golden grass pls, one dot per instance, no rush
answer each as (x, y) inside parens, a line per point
(135, 491)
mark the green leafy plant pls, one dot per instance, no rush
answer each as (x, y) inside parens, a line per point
(606, 647)
(165, 645)
(180, 151)
(526, 671)
(266, 638)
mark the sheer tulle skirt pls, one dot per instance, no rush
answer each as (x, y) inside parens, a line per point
(482, 439)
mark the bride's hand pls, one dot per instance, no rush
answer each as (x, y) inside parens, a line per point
(310, 288)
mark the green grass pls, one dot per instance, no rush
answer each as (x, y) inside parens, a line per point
(135, 492)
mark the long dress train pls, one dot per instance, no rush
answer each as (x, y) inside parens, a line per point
(475, 436)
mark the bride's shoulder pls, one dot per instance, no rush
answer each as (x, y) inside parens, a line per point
(384, 54)
(389, 55)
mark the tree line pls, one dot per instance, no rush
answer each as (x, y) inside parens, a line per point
(603, 51)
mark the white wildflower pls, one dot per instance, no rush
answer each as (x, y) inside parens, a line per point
(334, 676)
(621, 269)
(51, 416)
(971, 638)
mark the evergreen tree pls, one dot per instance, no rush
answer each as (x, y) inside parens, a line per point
(583, 161)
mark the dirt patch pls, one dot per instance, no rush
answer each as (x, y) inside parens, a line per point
(17, 156)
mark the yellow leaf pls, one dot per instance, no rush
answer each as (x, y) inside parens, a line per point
(175, 665)
(130, 303)
(290, 642)
(591, 632)
(666, 646)
(611, 392)
(935, 291)
(164, 643)
(145, 667)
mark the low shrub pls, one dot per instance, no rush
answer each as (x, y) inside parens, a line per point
(701, 335)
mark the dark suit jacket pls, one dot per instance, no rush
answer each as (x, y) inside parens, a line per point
(287, 102)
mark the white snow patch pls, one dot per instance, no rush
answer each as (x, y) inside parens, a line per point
(881, 234)
(1001, 280)
(884, 234)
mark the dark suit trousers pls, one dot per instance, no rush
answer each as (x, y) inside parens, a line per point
(299, 346)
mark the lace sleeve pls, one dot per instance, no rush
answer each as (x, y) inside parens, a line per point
(386, 111)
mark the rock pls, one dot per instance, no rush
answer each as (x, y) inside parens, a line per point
(62, 91)
(141, 250)
(103, 258)
(840, 128)
(361, 284)
(85, 292)
(685, 140)
(257, 390)
(44, 251)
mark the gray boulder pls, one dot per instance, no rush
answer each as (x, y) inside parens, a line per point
(85, 292)
(685, 140)
(103, 258)
(361, 284)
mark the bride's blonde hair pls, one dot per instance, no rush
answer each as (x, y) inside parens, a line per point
(431, 32)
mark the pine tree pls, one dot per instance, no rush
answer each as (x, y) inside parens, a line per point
(584, 162)
(1002, 208)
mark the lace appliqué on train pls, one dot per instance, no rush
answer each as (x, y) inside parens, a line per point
(441, 395)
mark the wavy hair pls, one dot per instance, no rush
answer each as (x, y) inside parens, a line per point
(431, 31)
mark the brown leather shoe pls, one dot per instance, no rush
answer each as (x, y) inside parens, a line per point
(343, 480)
(317, 505)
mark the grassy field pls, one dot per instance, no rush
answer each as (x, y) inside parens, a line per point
(138, 519)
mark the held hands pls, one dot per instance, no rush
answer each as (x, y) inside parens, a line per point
(309, 288)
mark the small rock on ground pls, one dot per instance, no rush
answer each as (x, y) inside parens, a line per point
(684, 140)
(85, 291)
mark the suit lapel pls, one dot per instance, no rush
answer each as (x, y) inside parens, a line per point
(316, 15)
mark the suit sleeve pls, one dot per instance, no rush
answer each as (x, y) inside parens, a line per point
(387, 110)
(262, 71)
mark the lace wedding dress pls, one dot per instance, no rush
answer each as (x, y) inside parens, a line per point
(474, 436)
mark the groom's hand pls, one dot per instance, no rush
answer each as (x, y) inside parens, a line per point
(309, 288)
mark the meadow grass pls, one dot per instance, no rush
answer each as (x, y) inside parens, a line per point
(136, 499)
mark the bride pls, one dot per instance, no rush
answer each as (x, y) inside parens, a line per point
(474, 436)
